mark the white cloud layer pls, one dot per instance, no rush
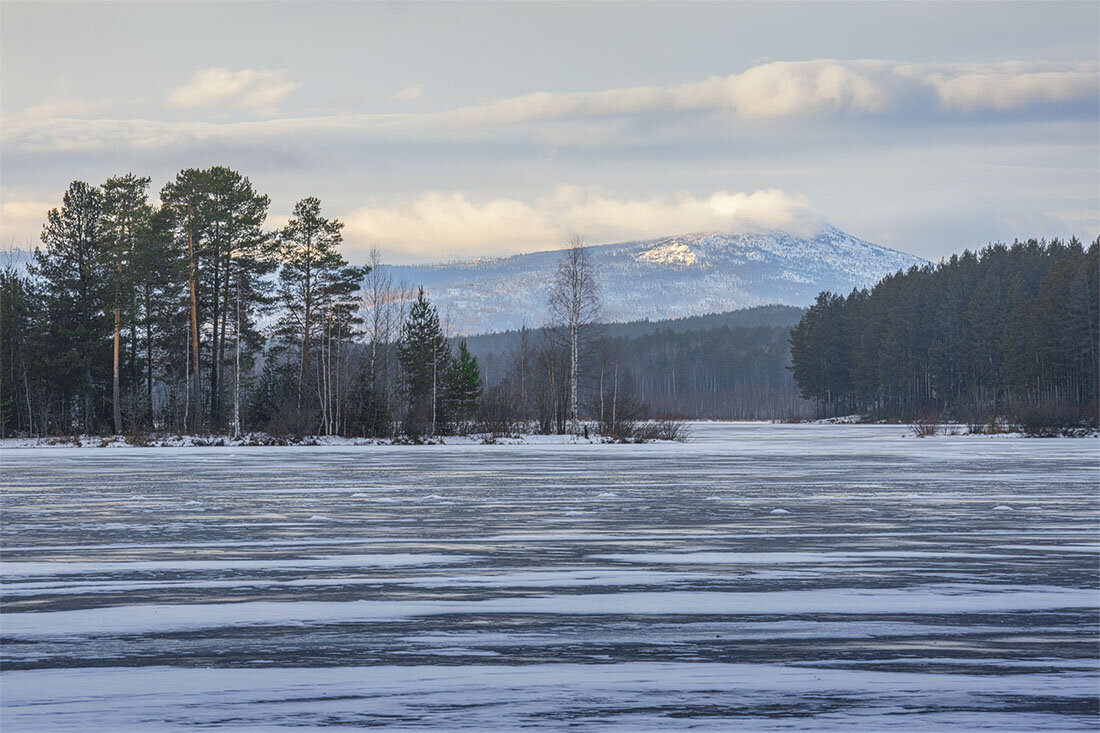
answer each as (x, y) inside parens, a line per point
(219, 87)
(440, 226)
(820, 87)
(805, 89)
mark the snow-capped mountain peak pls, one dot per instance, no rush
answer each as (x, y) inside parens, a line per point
(669, 277)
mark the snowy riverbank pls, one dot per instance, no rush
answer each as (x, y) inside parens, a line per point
(260, 439)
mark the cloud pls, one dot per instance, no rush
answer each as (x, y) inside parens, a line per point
(219, 87)
(450, 225)
(821, 87)
(779, 89)
(1009, 86)
(409, 93)
(896, 93)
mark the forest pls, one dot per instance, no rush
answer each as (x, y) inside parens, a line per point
(1007, 333)
(188, 316)
(717, 366)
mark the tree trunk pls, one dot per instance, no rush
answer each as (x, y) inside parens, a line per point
(603, 360)
(308, 314)
(194, 316)
(237, 368)
(214, 416)
(573, 374)
(115, 391)
(148, 360)
(615, 397)
(225, 317)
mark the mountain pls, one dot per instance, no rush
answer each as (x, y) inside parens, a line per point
(671, 277)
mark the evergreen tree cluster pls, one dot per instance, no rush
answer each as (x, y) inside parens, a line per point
(193, 317)
(1008, 332)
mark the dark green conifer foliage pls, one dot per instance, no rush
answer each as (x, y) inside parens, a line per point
(425, 358)
(127, 217)
(72, 270)
(1009, 332)
(463, 387)
(22, 355)
(318, 292)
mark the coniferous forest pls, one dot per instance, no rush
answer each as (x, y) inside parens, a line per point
(1008, 333)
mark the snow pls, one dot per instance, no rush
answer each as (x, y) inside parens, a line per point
(674, 254)
(555, 585)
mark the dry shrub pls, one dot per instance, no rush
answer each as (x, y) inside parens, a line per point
(927, 424)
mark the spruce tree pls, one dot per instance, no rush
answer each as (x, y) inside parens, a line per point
(425, 358)
(463, 386)
(72, 271)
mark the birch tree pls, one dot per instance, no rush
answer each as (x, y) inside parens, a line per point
(574, 305)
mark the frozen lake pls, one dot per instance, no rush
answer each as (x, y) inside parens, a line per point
(759, 577)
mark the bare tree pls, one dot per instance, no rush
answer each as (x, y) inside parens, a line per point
(574, 304)
(378, 299)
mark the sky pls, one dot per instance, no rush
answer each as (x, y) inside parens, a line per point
(456, 130)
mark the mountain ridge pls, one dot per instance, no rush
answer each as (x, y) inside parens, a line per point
(667, 277)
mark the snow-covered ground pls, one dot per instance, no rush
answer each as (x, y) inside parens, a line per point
(249, 440)
(759, 577)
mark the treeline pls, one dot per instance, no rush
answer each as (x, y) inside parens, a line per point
(690, 368)
(189, 315)
(1007, 332)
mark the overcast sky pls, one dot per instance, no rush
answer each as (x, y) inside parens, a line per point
(443, 131)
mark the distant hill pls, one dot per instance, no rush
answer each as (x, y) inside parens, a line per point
(720, 365)
(775, 316)
(672, 277)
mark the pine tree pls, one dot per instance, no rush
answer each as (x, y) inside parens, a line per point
(126, 220)
(186, 206)
(239, 259)
(317, 289)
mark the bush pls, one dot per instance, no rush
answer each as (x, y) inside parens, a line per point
(927, 424)
(628, 414)
(664, 429)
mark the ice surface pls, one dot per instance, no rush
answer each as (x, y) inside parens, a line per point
(554, 585)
